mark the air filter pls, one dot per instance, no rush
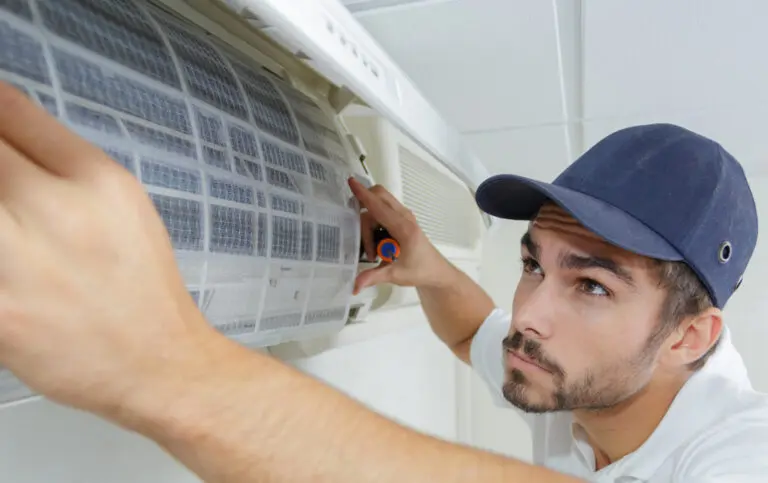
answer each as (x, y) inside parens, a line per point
(248, 173)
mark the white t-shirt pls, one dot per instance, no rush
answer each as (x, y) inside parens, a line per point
(715, 431)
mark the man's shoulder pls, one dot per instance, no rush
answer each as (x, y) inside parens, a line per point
(735, 445)
(746, 419)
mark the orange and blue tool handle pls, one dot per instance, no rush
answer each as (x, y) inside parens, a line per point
(387, 248)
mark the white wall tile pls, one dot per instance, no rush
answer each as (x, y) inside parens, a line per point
(657, 55)
(483, 63)
(537, 152)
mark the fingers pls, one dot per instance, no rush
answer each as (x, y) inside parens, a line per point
(372, 277)
(385, 196)
(381, 211)
(41, 138)
(383, 208)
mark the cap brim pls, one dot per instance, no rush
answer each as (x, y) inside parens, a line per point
(517, 198)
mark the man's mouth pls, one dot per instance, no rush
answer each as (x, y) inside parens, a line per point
(525, 360)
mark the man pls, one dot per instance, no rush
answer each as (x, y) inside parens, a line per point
(94, 315)
(616, 349)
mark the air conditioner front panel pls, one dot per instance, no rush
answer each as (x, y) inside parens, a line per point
(247, 172)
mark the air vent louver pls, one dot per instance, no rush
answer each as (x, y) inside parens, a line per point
(444, 208)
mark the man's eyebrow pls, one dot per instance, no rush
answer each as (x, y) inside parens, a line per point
(530, 245)
(579, 262)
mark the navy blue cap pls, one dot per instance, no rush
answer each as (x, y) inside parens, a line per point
(657, 190)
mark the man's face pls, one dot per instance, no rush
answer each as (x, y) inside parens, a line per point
(585, 320)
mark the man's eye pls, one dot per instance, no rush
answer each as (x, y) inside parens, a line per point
(531, 266)
(592, 287)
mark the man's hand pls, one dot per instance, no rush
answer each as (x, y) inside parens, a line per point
(454, 304)
(92, 305)
(419, 263)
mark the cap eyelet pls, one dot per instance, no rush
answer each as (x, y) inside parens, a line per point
(725, 252)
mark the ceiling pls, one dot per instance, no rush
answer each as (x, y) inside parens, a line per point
(531, 83)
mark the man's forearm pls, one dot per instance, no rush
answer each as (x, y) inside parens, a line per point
(250, 418)
(455, 309)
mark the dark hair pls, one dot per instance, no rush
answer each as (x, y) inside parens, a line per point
(686, 297)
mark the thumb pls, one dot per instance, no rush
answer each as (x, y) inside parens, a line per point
(373, 276)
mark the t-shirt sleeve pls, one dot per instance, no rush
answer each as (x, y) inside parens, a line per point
(487, 353)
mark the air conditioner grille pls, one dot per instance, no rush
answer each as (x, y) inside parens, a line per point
(114, 29)
(211, 138)
(444, 208)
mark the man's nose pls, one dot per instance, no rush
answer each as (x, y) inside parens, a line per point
(535, 312)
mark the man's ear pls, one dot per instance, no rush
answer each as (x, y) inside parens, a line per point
(694, 337)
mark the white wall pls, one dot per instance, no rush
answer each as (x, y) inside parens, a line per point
(407, 375)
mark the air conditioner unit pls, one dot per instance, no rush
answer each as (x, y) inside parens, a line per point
(230, 114)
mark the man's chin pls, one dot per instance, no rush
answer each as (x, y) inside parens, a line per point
(531, 408)
(521, 398)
